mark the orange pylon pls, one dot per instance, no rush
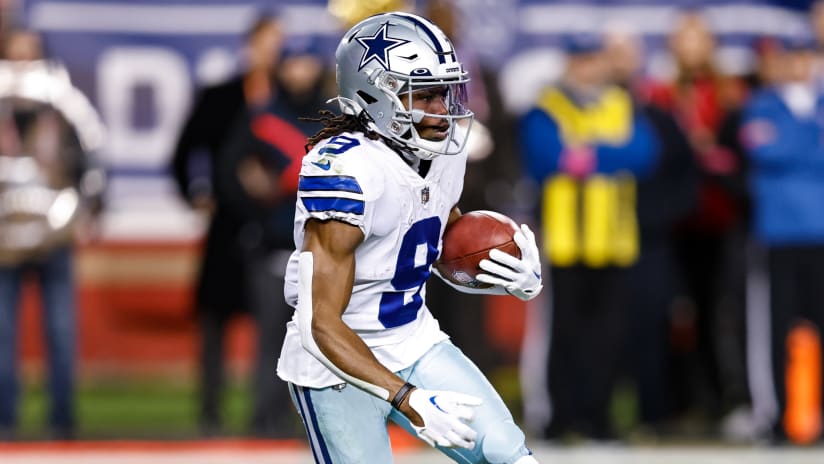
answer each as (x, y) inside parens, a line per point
(802, 418)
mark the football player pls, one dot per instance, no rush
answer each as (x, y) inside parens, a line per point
(376, 191)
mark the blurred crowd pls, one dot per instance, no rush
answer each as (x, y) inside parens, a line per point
(682, 232)
(662, 202)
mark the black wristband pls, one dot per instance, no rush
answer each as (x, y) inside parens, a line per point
(401, 395)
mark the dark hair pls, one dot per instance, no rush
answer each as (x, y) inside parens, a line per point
(336, 124)
(260, 24)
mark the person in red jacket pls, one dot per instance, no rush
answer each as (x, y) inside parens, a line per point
(709, 241)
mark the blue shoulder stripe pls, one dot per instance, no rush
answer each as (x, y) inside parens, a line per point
(329, 183)
(343, 205)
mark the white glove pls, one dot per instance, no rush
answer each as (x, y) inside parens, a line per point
(445, 415)
(520, 277)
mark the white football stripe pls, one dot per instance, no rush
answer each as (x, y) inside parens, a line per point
(330, 194)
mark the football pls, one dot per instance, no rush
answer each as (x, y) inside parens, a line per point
(467, 241)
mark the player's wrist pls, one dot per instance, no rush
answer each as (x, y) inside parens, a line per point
(402, 395)
(404, 405)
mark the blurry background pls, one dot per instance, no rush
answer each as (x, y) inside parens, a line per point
(141, 62)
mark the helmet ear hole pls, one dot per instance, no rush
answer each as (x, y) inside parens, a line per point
(369, 99)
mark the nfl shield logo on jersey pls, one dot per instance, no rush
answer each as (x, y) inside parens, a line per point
(425, 195)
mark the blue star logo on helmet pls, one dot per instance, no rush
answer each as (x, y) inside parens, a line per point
(377, 47)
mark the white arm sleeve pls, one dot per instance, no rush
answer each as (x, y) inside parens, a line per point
(305, 274)
(493, 290)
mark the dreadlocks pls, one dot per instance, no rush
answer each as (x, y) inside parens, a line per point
(336, 124)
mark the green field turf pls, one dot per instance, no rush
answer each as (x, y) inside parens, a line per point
(164, 408)
(155, 409)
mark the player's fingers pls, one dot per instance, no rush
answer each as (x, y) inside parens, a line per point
(459, 441)
(505, 258)
(468, 400)
(523, 242)
(498, 270)
(424, 434)
(442, 441)
(464, 413)
(464, 431)
(491, 280)
(528, 233)
(433, 438)
(526, 242)
(425, 437)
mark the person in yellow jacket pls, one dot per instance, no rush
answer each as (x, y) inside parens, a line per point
(585, 143)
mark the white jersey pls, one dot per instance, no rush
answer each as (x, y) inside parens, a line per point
(363, 182)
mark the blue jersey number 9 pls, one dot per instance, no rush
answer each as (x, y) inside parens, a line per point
(419, 249)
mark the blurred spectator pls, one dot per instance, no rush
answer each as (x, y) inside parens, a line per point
(254, 149)
(817, 24)
(49, 185)
(745, 417)
(585, 143)
(768, 52)
(663, 199)
(303, 76)
(710, 241)
(624, 53)
(782, 133)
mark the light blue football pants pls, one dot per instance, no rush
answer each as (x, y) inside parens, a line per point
(346, 425)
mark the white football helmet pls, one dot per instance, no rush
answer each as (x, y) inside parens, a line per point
(386, 58)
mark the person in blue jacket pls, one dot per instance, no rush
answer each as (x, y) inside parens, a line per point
(783, 132)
